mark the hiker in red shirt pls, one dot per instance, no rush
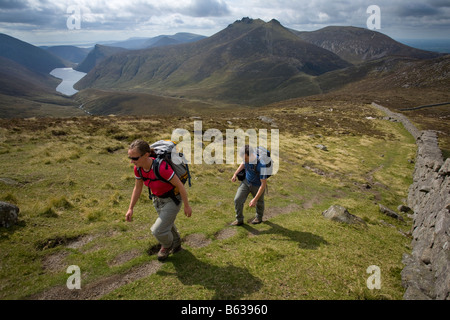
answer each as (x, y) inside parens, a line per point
(165, 201)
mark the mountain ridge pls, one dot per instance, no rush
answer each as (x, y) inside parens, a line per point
(96, 56)
(32, 57)
(252, 55)
(358, 45)
(72, 54)
(250, 62)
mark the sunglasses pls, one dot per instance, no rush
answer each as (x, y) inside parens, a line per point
(135, 158)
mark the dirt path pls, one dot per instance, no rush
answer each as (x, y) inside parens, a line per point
(99, 288)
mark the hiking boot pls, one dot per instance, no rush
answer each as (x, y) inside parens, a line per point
(177, 248)
(256, 221)
(237, 223)
(163, 253)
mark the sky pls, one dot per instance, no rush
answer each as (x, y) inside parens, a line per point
(50, 22)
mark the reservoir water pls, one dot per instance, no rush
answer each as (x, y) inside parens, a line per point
(69, 78)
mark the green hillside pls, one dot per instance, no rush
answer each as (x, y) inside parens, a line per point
(102, 102)
(246, 63)
(32, 57)
(72, 181)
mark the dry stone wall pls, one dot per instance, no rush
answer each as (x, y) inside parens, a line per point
(427, 269)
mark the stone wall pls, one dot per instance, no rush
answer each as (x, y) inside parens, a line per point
(427, 270)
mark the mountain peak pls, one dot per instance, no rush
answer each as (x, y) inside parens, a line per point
(358, 45)
(275, 21)
(246, 20)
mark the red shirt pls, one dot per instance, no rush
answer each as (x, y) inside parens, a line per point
(157, 187)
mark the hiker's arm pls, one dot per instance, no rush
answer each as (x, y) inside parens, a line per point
(237, 171)
(259, 193)
(134, 198)
(177, 183)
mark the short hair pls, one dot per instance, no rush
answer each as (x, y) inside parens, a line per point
(246, 150)
(141, 145)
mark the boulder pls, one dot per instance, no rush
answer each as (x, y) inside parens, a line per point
(390, 213)
(9, 214)
(321, 147)
(267, 120)
(341, 214)
(403, 208)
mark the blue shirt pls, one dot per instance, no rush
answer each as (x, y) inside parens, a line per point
(253, 173)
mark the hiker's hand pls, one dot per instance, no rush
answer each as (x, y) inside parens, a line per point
(187, 211)
(129, 215)
(234, 178)
(253, 202)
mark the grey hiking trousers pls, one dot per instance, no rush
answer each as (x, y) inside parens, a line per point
(164, 229)
(241, 196)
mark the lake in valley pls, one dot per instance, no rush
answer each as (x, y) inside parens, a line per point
(69, 78)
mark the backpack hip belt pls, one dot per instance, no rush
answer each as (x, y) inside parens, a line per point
(171, 194)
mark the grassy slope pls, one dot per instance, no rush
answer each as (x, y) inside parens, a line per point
(72, 181)
(101, 102)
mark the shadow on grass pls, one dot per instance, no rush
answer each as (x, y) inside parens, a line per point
(306, 240)
(5, 233)
(229, 282)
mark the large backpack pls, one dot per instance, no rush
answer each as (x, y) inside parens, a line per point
(166, 150)
(263, 155)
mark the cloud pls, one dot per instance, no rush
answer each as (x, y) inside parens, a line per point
(440, 3)
(149, 17)
(416, 10)
(105, 14)
(12, 4)
(304, 13)
(208, 8)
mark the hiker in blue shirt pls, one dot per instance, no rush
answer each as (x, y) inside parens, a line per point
(255, 182)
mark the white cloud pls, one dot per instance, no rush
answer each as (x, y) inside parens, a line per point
(323, 17)
(150, 17)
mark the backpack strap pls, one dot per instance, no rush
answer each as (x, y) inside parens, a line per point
(255, 168)
(170, 194)
(155, 167)
(150, 195)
